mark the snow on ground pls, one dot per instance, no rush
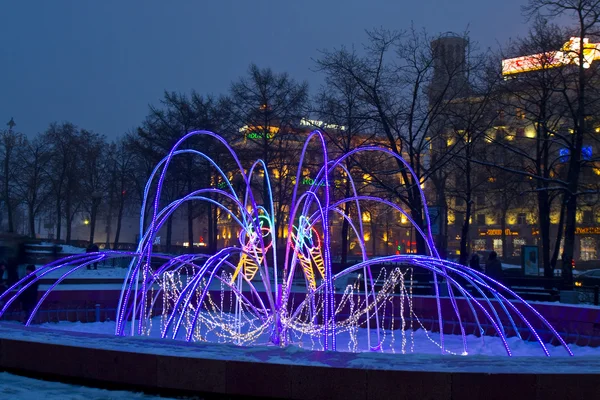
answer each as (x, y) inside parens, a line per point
(101, 273)
(419, 341)
(15, 387)
(586, 359)
(65, 249)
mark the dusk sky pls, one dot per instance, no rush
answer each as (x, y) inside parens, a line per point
(99, 64)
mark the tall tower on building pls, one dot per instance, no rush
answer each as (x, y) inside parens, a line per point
(449, 67)
(449, 81)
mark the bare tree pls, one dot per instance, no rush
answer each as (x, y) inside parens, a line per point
(121, 173)
(32, 187)
(586, 17)
(162, 128)
(265, 105)
(10, 142)
(533, 104)
(347, 125)
(63, 172)
(396, 78)
(93, 158)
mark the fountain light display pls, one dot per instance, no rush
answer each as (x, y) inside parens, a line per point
(245, 294)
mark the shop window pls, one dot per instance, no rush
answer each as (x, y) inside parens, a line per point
(522, 219)
(497, 244)
(517, 243)
(588, 249)
(478, 245)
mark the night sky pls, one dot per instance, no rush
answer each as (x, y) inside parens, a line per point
(99, 64)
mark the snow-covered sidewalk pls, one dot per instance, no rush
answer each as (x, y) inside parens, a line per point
(15, 387)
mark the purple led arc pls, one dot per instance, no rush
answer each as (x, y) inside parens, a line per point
(282, 308)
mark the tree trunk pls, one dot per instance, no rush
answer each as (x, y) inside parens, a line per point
(503, 233)
(190, 225)
(464, 234)
(7, 198)
(544, 218)
(169, 234)
(345, 228)
(573, 176)
(31, 221)
(416, 212)
(559, 234)
(68, 219)
(93, 221)
(215, 217)
(58, 218)
(373, 235)
(190, 206)
(212, 238)
(569, 248)
(119, 221)
(442, 237)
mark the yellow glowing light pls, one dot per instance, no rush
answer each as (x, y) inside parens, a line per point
(530, 132)
(86, 221)
(451, 217)
(366, 217)
(569, 54)
(367, 236)
(578, 284)
(403, 219)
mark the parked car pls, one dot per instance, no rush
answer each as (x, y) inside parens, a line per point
(588, 278)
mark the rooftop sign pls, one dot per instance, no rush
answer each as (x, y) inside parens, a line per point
(569, 54)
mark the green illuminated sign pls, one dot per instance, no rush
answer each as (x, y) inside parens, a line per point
(259, 135)
(307, 180)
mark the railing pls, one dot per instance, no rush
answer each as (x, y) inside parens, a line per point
(588, 294)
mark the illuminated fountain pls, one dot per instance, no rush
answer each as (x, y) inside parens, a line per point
(245, 295)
